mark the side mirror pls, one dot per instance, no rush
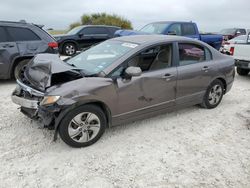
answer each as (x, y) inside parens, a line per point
(80, 35)
(172, 33)
(133, 71)
(238, 33)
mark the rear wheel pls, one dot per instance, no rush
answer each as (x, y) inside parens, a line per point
(19, 68)
(83, 126)
(242, 72)
(213, 95)
(69, 49)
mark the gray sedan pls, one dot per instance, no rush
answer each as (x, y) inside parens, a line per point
(121, 80)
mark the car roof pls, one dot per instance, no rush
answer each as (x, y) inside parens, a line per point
(151, 39)
(18, 24)
(21, 22)
(99, 26)
(169, 22)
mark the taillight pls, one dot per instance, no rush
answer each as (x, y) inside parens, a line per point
(53, 44)
(232, 51)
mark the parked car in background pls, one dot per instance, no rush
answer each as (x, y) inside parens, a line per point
(20, 42)
(241, 54)
(231, 33)
(121, 80)
(187, 29)
(84, 36)
(228, 46)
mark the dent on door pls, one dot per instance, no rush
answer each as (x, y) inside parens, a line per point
(30, 47)
(151, 91)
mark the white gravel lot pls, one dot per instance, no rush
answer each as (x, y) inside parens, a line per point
(193, 147)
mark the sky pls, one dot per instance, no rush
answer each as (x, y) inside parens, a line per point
(210, 15)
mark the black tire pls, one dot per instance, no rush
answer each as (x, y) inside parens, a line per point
(207, 100)
(67, 122)
(242, 72)
(20, 67)
(69, 49)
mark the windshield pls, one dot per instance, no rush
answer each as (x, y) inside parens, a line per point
(228, 31)
(155, 28)
(75, 30)
(99, 57)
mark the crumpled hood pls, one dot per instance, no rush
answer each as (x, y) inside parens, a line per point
(120, 33)
(41, 68)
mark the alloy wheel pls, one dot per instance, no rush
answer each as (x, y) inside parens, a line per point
(70, 49)
(84, 127)
(215, 94)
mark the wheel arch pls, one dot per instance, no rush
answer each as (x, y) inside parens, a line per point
(223, 82)
(70, 41)
(100, 104)
(15, 63)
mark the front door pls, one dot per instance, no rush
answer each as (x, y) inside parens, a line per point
(154, 90)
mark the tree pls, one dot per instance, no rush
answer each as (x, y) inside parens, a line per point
(103, 19)
(75, 24)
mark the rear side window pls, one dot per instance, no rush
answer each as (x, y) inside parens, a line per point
(191, 54)
(208, 54)
(3, 35)
(188, 29)
(95, 30)
(22, 34)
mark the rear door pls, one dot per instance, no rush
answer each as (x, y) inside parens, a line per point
(195, 71)
(8, 50)
(28, 42)
(92, 35)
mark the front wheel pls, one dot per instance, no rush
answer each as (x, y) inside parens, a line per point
(213, 95)
(83, 126)
(242, 72)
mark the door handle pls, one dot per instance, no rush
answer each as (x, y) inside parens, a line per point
(205, 68)
(168, 76)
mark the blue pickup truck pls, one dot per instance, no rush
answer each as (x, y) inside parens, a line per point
(187, 29)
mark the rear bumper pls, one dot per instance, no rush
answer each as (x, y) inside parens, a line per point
(242, 64)
(229, 86)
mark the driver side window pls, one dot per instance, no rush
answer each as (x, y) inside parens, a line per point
(154, 58)
(175, 29)
(150, 59)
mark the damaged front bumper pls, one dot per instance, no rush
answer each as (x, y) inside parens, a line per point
(29, 99)
(26, 103)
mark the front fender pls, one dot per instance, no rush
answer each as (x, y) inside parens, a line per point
(67, 109)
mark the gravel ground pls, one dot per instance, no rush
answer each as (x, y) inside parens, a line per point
(193, 147)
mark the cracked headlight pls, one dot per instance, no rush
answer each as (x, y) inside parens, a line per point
(47, 100)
